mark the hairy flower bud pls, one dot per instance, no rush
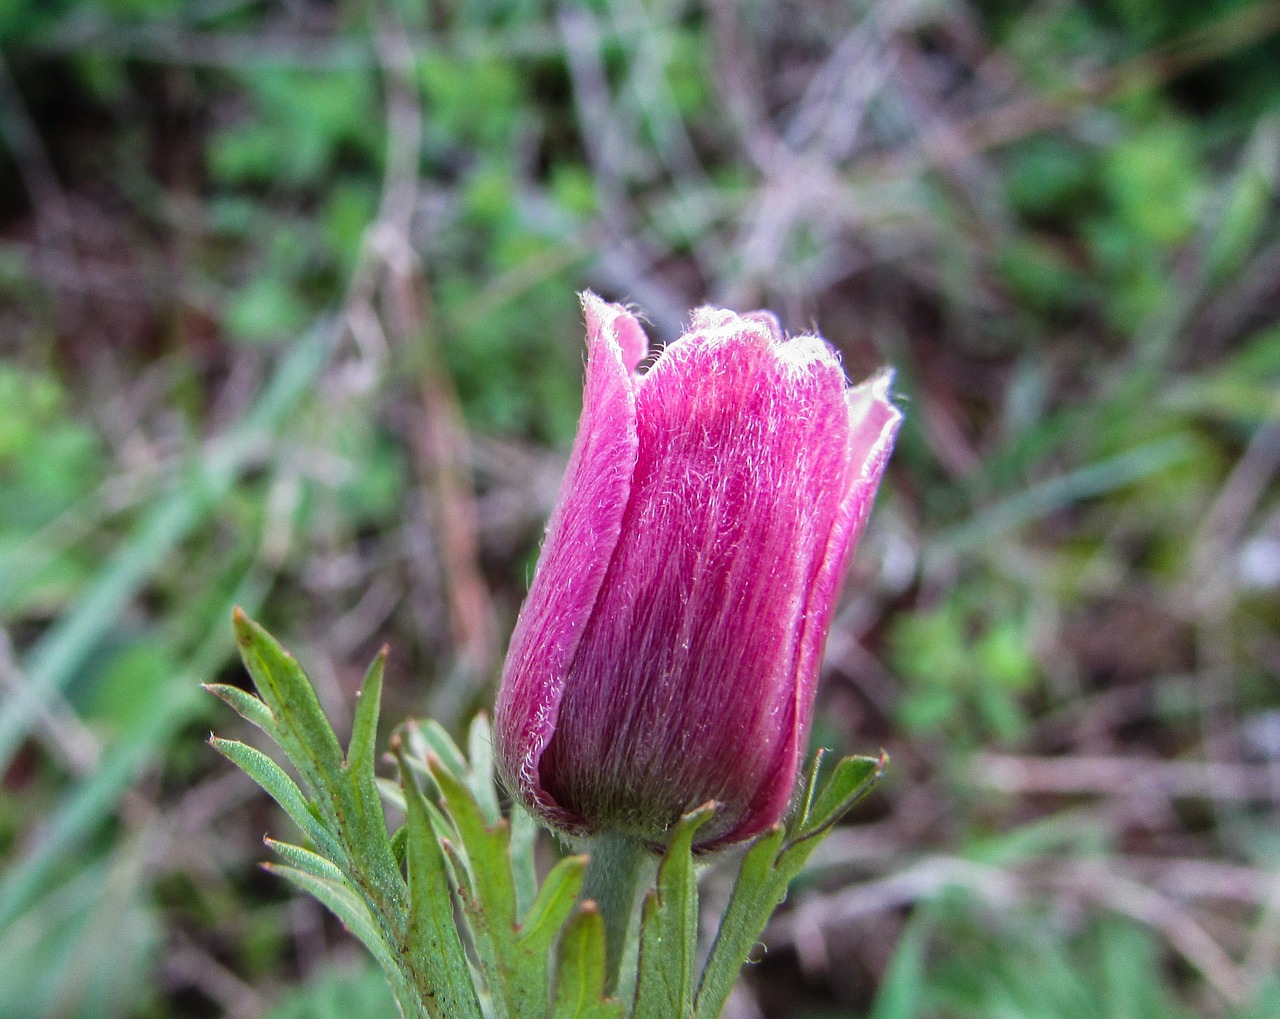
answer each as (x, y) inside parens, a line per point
(669, 648)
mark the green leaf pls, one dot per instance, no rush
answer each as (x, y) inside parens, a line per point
(484, 845)
(350, 908)
(305, 735)
(400, 845)
(516, 975)
(247, 706)
(552, 907)
(391, 793)
(313, 863)
(349, 804)
(669, 929)
(362, 749)
(524, 835)
(480, 752)
(433, 943)
(432, 736)
(367, 821)
(580, 970)
(280, 787)
(756, 893)
(852, 779)
(764, 874)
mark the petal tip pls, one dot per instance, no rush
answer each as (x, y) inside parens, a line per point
(874, 396)
(614, 324)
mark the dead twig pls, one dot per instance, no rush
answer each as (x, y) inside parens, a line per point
(1122, 776)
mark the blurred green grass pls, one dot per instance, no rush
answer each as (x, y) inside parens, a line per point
(287, 320)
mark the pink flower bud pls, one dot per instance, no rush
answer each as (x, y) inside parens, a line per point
(669, 649)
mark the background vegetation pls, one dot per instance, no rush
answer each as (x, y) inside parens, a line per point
(288, 320)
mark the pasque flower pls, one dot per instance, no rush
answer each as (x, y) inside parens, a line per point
(669, 648)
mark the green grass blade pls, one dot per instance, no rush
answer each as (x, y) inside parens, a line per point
(83, 809)
(70, 642)
(901, 991)
(1086, 482)
(92, 800)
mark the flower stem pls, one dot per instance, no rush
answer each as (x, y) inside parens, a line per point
(612, 880)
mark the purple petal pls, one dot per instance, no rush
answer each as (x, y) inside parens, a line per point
(872, 426)
(580, 541)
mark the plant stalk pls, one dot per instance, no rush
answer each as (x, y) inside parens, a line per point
(612, 880)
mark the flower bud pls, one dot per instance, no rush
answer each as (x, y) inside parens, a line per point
(669, 648)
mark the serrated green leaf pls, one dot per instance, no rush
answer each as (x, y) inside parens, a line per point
(351, 810)
(581, 970)
(852, 779)
(280, 787)
(553, 905)
(485, 846)
(435, 948)
(250, 708)
(669, 929)
(445, 830)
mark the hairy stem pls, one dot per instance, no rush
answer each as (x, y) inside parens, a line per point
(613, 877)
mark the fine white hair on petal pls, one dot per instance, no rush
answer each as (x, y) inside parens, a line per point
(714, 327)
(799, 352)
